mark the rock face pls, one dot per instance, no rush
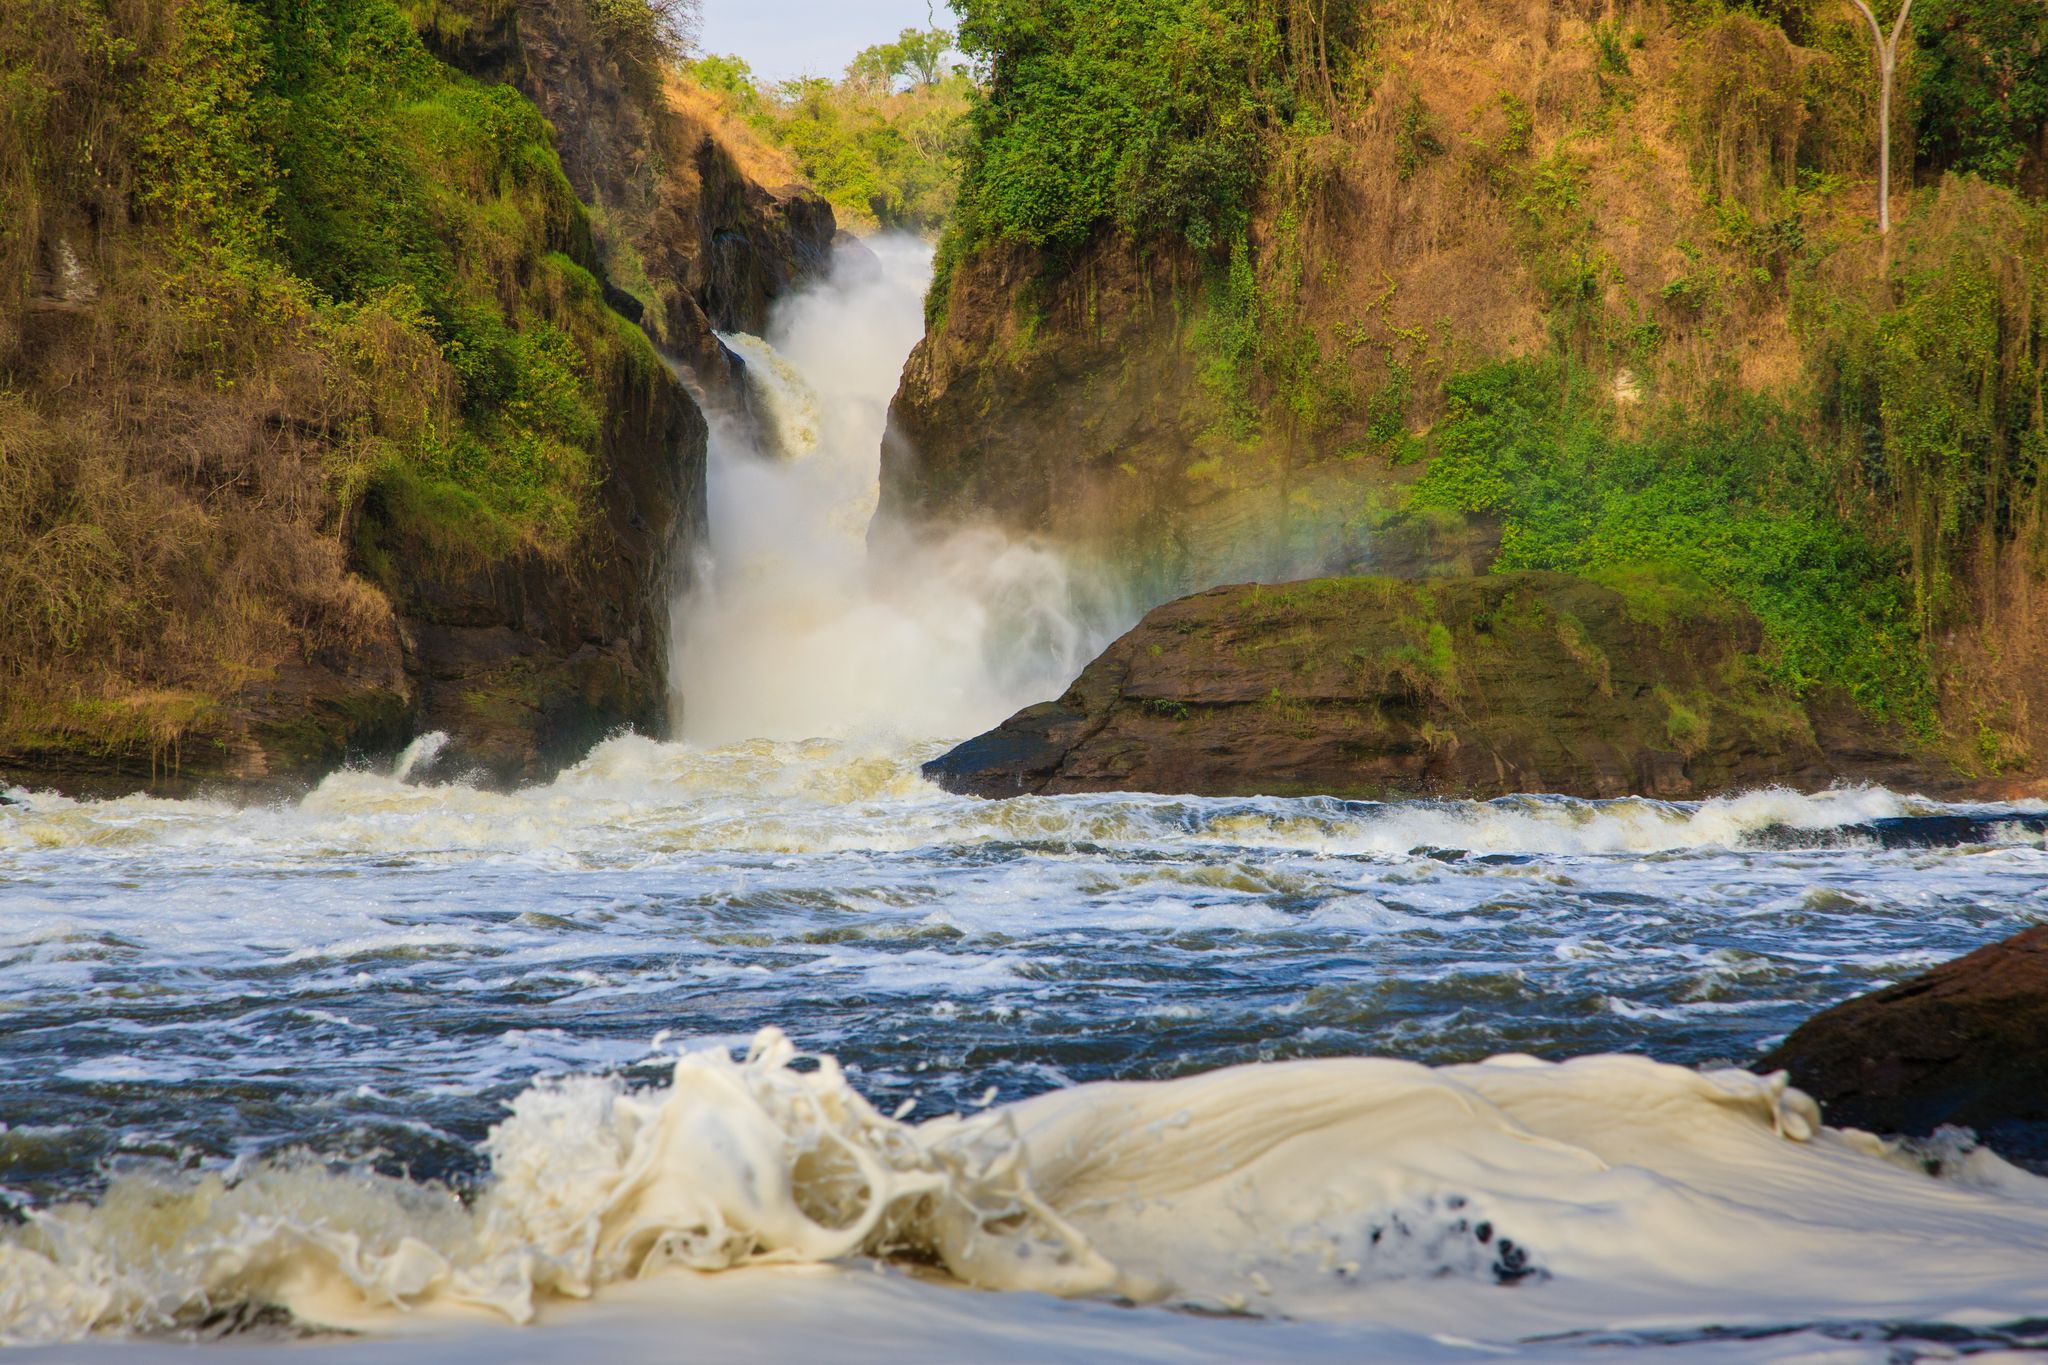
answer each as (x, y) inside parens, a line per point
(525, 659)
(524, 665)
(1378, 688)
(1072, 407)
(526, 662)
(1965, 1044)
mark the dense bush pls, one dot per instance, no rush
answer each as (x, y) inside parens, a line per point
(318, 142)
(1730, 496)
(1148, 116)
(1981, 82)
(1141, 113)
(1934, 378)
(332, 300)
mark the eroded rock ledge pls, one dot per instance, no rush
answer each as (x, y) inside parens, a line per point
(1377, 688)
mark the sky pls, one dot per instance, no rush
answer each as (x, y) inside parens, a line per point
(785, 38)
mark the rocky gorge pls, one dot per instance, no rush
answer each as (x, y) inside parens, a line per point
(413, 449)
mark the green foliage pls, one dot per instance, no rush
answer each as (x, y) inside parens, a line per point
(309, 160)
(1730, 496)
(728, 75)
(1259, 359)
(1696, 289)
(917, 54)
(1683, 726)
(1612, 48)
(208, 169)
(884, 157)
(1981, 83)
(1416, 142)
(1937, 383)
(1150, 117)
(395, 173)
(1229, 337)
(1144, 114)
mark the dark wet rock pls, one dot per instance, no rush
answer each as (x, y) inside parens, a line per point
(853, 261)
(1379, 688)
(1911, 831)
(1964, 1044)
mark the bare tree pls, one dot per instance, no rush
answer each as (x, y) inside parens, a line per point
(1887, 62)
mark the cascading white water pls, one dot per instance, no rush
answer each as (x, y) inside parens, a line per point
(794, 629)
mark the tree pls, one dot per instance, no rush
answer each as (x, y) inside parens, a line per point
(916, 53)
(1887, 62)
(922, 53)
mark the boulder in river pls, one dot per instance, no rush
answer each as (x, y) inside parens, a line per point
(1380, 688)
(1965, 1043)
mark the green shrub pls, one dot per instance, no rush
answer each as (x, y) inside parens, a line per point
(1140, 113)
(1416, 142)
(1981, 87)
(1730, 496)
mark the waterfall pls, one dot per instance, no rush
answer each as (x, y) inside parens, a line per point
(793, 629)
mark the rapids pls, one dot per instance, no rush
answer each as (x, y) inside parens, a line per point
(761, 1041)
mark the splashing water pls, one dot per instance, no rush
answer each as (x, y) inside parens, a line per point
(786, 408)
(796, 629)
(409, 1048)
(420, 756)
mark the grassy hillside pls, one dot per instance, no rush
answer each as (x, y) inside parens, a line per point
(278, 290)
(1611, 275)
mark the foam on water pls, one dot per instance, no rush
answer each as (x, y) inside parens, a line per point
(819, 795)
(409, 1046)
(1606, 1193)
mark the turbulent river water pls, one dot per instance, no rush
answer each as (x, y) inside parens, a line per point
(413, 1058)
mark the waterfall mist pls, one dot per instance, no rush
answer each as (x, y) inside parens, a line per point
(795, 628)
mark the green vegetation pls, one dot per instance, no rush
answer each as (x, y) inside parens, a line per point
(438, 203)
(1144, 116)
(883, 144)
(1141, 113)
(1729, 496)
(1981, 84)
(339, 301)
(1934, 380)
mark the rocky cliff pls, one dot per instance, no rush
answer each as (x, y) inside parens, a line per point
(1261, 331)
(325, 418)
(1378, 689)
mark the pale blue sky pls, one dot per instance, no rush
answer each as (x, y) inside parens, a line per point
(784, 38)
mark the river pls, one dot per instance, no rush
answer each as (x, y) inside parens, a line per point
(1185, 1079)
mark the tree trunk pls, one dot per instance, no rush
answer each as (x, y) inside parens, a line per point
(1887, 63)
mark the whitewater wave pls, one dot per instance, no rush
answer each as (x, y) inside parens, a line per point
(1600, 1194)
(633, 796)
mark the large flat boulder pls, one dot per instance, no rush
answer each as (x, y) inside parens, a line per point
(1965, 1044)
(1380, 688)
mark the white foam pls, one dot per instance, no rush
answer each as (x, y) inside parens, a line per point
(794, 629)
(1505, 1200)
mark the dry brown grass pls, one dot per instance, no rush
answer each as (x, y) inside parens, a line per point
(712, 112)
(1442, 263)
